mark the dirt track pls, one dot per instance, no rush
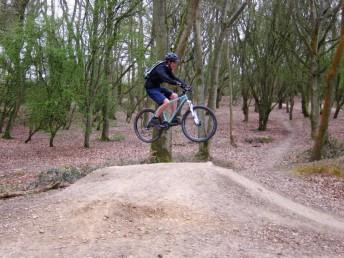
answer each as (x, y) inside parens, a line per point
(172, 210)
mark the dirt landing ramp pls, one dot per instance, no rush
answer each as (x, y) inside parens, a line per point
(165, 210)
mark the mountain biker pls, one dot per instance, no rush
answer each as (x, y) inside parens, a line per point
(163, 72)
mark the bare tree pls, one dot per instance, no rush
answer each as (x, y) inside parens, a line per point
(330, 78)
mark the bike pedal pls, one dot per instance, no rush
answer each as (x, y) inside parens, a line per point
(164, 125)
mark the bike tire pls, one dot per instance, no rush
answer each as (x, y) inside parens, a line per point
(205, 130)
(142, 131)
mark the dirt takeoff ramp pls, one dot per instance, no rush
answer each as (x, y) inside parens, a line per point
(165, 210)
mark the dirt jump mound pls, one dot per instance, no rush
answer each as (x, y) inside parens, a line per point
(161, 210)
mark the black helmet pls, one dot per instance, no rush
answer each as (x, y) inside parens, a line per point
(171, 57)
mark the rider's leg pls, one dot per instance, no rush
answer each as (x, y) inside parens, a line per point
(176, 119)
(155, 120)
(174, 104)
(162, 107)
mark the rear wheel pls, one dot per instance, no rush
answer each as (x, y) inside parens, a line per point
(202, 126)
(143, 131)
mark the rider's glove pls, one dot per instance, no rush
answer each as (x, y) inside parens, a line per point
(187, 87)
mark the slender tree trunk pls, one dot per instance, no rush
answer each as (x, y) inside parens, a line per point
(161, 150)
(338, 108)
(192, 7)
(335, 116)
(105, 115)
(256, 106)
(203, 150)
(216, 60)
(92, 75)
(31, 133)
(70, 117)
(140, 61)
(263, 118)
(314, 71)
(88, 127)
(304, 101)
(329, 80)
(280, 104)
(291, 108)
(2, 120)
(51, 139)
(245, 107)
(230, 81)
(20, 7)
(216, 55)
(315, 105)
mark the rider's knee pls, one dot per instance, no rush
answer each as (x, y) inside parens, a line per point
(166, 102)
(174, 95)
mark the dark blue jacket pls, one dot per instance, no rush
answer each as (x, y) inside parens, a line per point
(160, 74)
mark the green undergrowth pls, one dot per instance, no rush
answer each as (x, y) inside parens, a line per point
(328, 169)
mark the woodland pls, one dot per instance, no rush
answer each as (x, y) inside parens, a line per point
(269, 183)
(82, 62)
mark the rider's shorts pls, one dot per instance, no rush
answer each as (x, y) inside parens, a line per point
(159, 94)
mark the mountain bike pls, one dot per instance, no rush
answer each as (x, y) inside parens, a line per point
(198, 122)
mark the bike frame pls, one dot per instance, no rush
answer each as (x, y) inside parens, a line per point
(183, 99)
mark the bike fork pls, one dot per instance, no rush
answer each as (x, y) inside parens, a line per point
(194, 114)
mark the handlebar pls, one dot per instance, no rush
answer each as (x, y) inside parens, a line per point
(186, 88)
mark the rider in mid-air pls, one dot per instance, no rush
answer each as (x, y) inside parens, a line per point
(163, 72)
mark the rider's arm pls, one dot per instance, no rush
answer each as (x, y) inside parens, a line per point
(180, 82)
(167, 76)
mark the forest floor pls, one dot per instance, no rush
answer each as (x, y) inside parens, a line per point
(176, 210)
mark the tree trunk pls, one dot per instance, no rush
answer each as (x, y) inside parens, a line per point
(192, 7)
(20, 7)
(256, 106)
(51, 140)
(216, 60)
(13, 115)
(314, 71)
(291, 108)
(304, 101)
(88, 127)
(161, 150)
(105, 114)
(263, 120)
(329, 80)
(338, 107)
(70, 117)
(31, 133)
(203, 150)
(230, 81)
(280, 104)
(231, 137)
(315, 105)
(92, 71)
(264, 112)
(245, 107)
(140, 61)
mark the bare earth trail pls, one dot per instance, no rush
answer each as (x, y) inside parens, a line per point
(171, 210)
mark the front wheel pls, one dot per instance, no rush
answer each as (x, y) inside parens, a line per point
(200, 125)
(143, 131)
